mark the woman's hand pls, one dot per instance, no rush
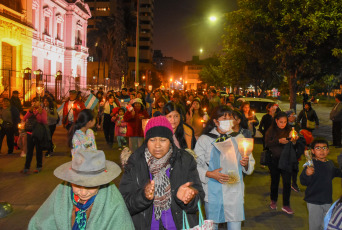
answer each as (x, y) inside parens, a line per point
(283, 141)
(244, 162)
(149, 190)
(220, 177)
(309, 171)
(186, 193)
(294, 139)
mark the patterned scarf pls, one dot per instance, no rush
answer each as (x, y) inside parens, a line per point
(162, 187)
(80, 215)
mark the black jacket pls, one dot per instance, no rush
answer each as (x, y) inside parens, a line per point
(311, 114)
(136, 176)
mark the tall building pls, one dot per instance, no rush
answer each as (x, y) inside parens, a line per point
(146, 17)
(15, 43)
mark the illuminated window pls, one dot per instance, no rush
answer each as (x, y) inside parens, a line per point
(102, 9)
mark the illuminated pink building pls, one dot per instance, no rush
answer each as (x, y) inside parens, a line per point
(59, 43)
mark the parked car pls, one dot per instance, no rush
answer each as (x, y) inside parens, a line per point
(258, 105)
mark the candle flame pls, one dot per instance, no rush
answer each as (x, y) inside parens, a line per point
(202, 121)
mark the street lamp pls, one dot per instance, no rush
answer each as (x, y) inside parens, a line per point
(58, 84)
(107, 83)
(136, 84)
(170, 82)
(39, 75)
(94, 81)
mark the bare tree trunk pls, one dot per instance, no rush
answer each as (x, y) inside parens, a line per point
(293, 90)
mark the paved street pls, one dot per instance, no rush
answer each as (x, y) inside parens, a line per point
(27, 192)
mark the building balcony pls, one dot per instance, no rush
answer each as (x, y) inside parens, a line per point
(47, 39)
(59, 43)
(80, 48)
(35, 35)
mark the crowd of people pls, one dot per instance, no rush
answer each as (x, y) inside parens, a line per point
(185, 153)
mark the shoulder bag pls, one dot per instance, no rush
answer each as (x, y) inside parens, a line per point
(310, 124)
(202, 225)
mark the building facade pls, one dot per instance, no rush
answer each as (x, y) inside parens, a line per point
(15, 44)
(45, 37)
(191, 73)
(59, 43)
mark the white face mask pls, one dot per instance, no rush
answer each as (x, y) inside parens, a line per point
(226, 125)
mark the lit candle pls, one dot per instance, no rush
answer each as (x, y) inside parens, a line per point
(202, 121)
(245, 145)
(293, 134)
(19, 125)
(122, 100)
(205, 109)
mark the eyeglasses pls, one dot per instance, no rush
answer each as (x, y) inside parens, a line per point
(323, 148)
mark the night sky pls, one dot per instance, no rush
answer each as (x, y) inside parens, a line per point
(182, 27)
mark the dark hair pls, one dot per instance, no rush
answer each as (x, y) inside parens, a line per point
(318, 140)
(200, 110)
(309, 104)
(36, 99)
(161, 99)
(213, 91)
(179, 133)
(51, 105)
(124, 89)
(339, 97)
(122, 109)
(218, 112)
(243, 104)
(238, 115)
(84, 117)
(277, 116)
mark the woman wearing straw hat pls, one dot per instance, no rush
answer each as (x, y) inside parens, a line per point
(161, 181)
(86, 199)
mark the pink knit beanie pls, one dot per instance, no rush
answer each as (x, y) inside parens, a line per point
(158, 127)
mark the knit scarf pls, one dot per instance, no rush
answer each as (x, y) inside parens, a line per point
(162, 187)
(80, 215)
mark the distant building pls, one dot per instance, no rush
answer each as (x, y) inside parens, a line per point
(191, 73)
(168, 67)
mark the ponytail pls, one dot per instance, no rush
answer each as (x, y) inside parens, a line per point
(84, 117)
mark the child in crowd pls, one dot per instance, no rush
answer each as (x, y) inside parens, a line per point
(318, 180)
(80, 135)
(22, 140)
(120, 128)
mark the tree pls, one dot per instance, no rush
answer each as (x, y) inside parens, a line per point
(296, 39)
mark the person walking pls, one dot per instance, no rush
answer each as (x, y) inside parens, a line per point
(336, 118)
(52, 117)
(222, 177)
(36, 119)
(9, 119)
(120, 128)
(80, 135)
(308, 118)
(249, 117)
(266, 120)
(285, 150)
(108, 125)
(71, 109)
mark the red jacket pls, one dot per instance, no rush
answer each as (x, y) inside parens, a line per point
(134, 124)
(79, 105)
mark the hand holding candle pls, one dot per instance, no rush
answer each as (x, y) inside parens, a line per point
(245, 146)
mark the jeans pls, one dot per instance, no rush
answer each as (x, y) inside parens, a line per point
(108, 128)
(234, 225)
(121, 141)
(39, 153)
(52, 129)
(275, 178)
(316, 215)
(9, 132)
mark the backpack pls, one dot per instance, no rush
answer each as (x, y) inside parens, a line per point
(30, 123)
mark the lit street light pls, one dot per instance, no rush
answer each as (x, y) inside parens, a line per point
(213, 18)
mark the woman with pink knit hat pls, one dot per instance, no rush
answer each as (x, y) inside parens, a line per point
(160, 181)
